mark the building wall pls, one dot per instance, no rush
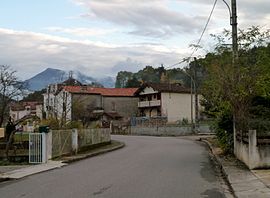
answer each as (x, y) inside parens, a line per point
(148, 90)
(16, 115)
(177, 106)
(124, 106)
(84, 102)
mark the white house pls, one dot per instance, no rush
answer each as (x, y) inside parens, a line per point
(167, 100)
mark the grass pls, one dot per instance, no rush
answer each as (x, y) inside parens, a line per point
(21, 137)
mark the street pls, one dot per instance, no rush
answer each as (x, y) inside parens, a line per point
(147, 167)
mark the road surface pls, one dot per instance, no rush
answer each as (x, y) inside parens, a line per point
(148, 167)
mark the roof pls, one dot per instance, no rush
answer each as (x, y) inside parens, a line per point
(71, 81)
(20, 106)
(101, 91)
(165, 87)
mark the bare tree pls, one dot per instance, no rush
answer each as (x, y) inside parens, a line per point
(10, 89)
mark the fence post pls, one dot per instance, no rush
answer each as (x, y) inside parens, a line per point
(44, 147)
(49, 144)
(75, 140)
(252, 143)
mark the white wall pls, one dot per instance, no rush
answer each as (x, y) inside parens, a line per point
(60, 98)
(177, 106)
(148, 90)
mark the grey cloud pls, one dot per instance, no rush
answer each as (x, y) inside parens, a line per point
(30, 53)
(153, 19)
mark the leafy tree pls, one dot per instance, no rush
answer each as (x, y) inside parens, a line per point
(230, 89)
(133, 82)
(122, 78)
(35, 96)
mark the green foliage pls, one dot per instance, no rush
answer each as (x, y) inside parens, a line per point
(35, 96)
(223, 126)
(53, 123)
(154, 75)
(74, 125)
(231, 89)
(122, 78)
(133, 82)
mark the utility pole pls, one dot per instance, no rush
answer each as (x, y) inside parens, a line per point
(235, 57)
(234, 32)
(191, 103)
(196, 95)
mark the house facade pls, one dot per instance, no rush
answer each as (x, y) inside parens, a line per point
(22, 110)
(172, 101)
(86, 102)
(18, 110)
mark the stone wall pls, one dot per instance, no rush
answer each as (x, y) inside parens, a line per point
(253, 154)
(124, 106)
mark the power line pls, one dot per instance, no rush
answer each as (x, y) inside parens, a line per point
(196, 46)
(204, 29)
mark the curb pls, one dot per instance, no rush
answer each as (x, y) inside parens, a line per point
(216, 158)
(84, 156)
(66, 162)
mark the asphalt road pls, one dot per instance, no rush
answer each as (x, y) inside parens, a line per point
(148, 167)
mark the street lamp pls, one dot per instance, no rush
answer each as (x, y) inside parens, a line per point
(192, 84)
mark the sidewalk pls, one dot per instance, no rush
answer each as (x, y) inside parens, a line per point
(17, 172)
(244, 183)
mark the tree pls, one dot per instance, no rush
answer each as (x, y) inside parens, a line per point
(231, 89)
(133, 82)
(10, 89)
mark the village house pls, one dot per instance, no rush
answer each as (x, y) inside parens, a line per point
(19, 110)
(87, 103)
(172, 101)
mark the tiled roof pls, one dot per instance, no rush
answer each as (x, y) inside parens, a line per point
(101, 91)
(20, 106)
(165, 87)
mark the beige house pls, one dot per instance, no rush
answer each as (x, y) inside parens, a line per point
(167, 100)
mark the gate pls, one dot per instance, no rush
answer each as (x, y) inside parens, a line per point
(37, 148)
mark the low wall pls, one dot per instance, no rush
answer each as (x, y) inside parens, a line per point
(161, 131)
(254, 155)
(166, 130)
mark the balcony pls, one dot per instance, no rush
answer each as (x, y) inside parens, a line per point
(152, 103)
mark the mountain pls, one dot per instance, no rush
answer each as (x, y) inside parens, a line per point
(50, 76)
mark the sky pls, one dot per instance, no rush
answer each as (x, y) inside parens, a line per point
(101, 37)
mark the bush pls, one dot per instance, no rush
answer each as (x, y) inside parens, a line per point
(223, 127)
(53, 123)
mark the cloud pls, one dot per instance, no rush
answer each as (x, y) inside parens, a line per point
(30, 52)
(82, 32)
(158, 19)
(142, 18)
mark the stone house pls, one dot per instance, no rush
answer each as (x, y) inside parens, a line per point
(172, 101)
(86, 102)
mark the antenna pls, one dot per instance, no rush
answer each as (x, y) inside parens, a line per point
(70, 74)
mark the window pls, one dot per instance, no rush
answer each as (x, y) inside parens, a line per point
(113, 106)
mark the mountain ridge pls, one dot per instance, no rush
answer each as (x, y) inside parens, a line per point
(51, 75)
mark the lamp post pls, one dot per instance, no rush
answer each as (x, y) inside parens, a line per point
(192, 84)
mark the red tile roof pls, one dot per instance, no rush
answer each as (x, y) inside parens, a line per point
(101, 91)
